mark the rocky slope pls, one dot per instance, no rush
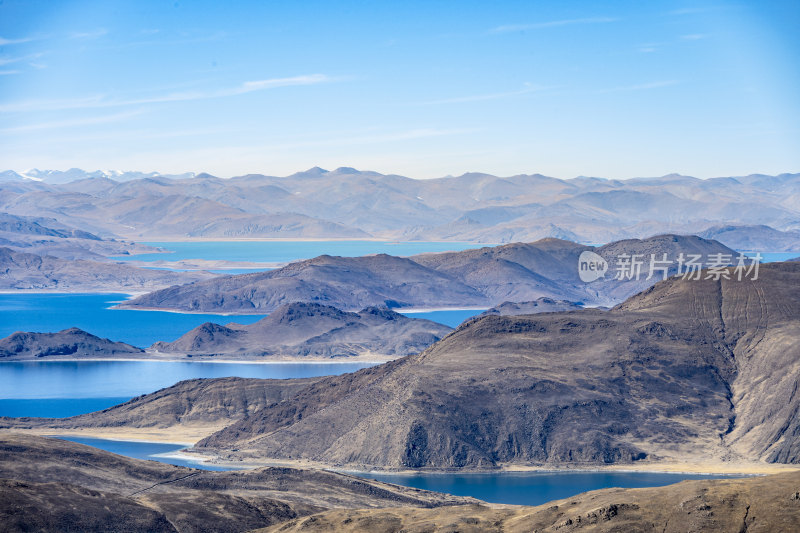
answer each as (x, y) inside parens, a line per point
(686, 371)
(753, 504)
(52, 485)
(199, 405)
(26, 271)
(72, 343)
(312, 331)
(487, 276)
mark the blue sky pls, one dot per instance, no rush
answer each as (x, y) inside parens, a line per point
(424, 89)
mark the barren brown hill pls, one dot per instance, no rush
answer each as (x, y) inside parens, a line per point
(308, 330)
(483, 277)
(54, 485)
(349, 283)
(687, 371)
(72, 343)
(764, 504)
(195, 407)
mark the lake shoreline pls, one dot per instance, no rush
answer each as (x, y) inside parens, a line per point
(286, 361)
(666, 467)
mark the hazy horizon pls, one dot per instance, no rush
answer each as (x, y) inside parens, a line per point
(26, 173)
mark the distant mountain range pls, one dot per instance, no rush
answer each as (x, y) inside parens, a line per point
(348, 203)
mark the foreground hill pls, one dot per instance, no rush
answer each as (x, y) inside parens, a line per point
(312, 331)
(26, 271)
(483, 277)
(72, 343)
(752, 504)
(688, 371)
(53, 485)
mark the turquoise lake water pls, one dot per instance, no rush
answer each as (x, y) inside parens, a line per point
(90, 312)
(450, 317)
(284, 251)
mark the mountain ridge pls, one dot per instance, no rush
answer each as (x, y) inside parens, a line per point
(348, 203)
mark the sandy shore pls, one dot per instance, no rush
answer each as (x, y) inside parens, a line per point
(184, 436)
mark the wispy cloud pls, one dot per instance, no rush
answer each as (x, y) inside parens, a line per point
(87, 121)
(17, 59)
(529, 88)
(693, 37)
(100, 101)
(9, 72)
(85, 35)
(551, 24)
(642, 86)
(4, 41)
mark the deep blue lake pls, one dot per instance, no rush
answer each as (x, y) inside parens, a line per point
(284, 251)
(67, 388)
(532, 488)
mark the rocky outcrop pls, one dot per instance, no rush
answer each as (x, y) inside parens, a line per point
(303, 330)
(72, 343)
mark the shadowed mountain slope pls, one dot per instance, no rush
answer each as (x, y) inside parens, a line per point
(483, 277)
(686, 371)
(312, 330)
